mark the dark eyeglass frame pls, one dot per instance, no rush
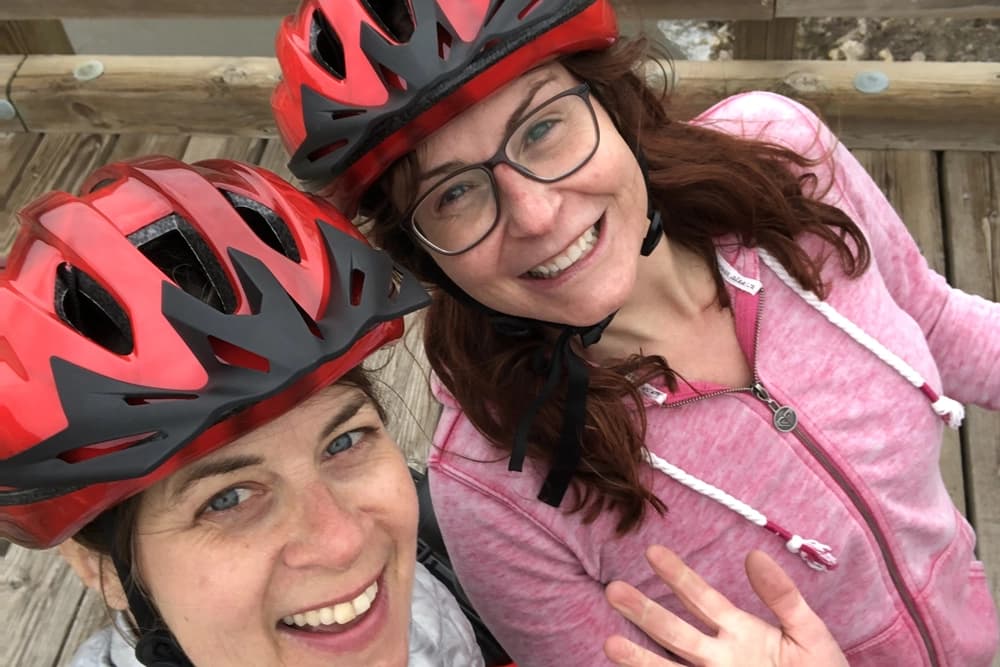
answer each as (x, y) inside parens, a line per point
(500, 157)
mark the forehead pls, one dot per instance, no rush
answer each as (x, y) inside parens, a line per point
(484, 122)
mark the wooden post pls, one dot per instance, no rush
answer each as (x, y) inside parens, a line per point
(765, 40)
(33, 37)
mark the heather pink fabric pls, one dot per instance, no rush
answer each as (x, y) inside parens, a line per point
(537, 575)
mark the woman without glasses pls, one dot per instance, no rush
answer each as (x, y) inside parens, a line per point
(714, 335)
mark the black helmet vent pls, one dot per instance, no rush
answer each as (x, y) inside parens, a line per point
(326, 48)
(392, 16)
(82, 303)
(179, 252)
(103, 183)
(266, 224)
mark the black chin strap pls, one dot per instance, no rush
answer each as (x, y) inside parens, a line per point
(156, 645)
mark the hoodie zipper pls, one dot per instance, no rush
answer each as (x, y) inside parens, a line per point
(785, 420)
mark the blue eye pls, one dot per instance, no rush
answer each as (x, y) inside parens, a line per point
(343, 442)
(453, 194)
(228, 499)
(538, 131)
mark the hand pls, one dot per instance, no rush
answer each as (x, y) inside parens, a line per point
(741, 639)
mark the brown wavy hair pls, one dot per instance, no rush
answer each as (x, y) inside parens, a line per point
(706, 184)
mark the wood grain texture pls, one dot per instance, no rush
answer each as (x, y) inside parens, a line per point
(926, 105)
(39, 599)
(33, 9)
(911, 8)
(207, 147)
(909, 180)
(154, 94)
(971, 199)
(8, 66)
(60, 161)
(91, 615)
(22, 37)
(764, 40)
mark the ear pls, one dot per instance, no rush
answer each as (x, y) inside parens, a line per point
(96, 571)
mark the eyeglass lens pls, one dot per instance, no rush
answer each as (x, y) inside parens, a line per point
(549, 144)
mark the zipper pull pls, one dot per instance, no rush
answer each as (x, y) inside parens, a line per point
(784, 417)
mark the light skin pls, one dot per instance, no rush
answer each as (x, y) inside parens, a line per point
(734, 637)
(666, 304)
(302, 513)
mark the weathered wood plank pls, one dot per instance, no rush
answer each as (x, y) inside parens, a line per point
(33, 9)
(61, 161)
(646, 11)
(916, 8)
(45, 36)
(275, 158)
(9, 120)
(91, 615)
(765, 40)
(16, 150)
(136, 145)
(909, 180)
(39, 597)
(206, 147)
(971, 185)
(921, 107)
(159, 94)
(404, 386)
(925, 105)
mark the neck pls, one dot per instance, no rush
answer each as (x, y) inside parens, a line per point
(673, 286)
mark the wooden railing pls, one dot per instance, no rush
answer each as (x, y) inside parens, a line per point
(872, 104)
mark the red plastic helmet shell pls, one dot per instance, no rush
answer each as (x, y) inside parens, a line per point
(90, 232)
(371, 116)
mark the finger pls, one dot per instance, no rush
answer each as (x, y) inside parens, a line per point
(707, 604)
(624, 653)
(777, 590)
(662, 626)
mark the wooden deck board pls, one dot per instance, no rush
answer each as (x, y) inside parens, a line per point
(960, 237)
(909, 180)
(972, 213)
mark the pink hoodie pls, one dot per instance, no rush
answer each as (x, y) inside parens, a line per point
(858, 474)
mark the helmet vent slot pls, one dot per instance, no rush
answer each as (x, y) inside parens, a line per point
(357, 286)
(103, 183)
(266, 224)
(527, 10)
(326, 47)
(233, 355)
(183, 256)
(323, 151)
(85, 305)
(444, 42)
(392, 79)
(310, 322)
(393, 17)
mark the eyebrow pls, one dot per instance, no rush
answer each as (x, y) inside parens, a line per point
(512, 121)
(224, 466)
(204, 469)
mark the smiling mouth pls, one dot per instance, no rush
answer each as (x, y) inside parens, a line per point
(576, 251)
(336, 618)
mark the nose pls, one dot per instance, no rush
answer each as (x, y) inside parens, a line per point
(529, 207)
(323, 530)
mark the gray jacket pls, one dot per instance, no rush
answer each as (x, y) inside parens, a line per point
(440, 635)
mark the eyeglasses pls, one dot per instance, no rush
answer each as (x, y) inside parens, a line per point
(552, 142)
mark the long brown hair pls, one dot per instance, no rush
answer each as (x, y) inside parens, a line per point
(706, 184)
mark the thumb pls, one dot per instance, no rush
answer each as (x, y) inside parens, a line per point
(777, 590)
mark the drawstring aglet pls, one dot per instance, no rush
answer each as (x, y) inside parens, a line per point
(816, 555)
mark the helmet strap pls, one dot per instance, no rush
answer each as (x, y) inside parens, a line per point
(156, 645)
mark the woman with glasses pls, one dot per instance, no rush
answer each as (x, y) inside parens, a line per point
(715, 335)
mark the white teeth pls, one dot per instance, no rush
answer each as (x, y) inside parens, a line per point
(338, 614)
(573, 253)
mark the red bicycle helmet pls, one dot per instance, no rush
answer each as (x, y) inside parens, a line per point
(113, 373)
(364, 81)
